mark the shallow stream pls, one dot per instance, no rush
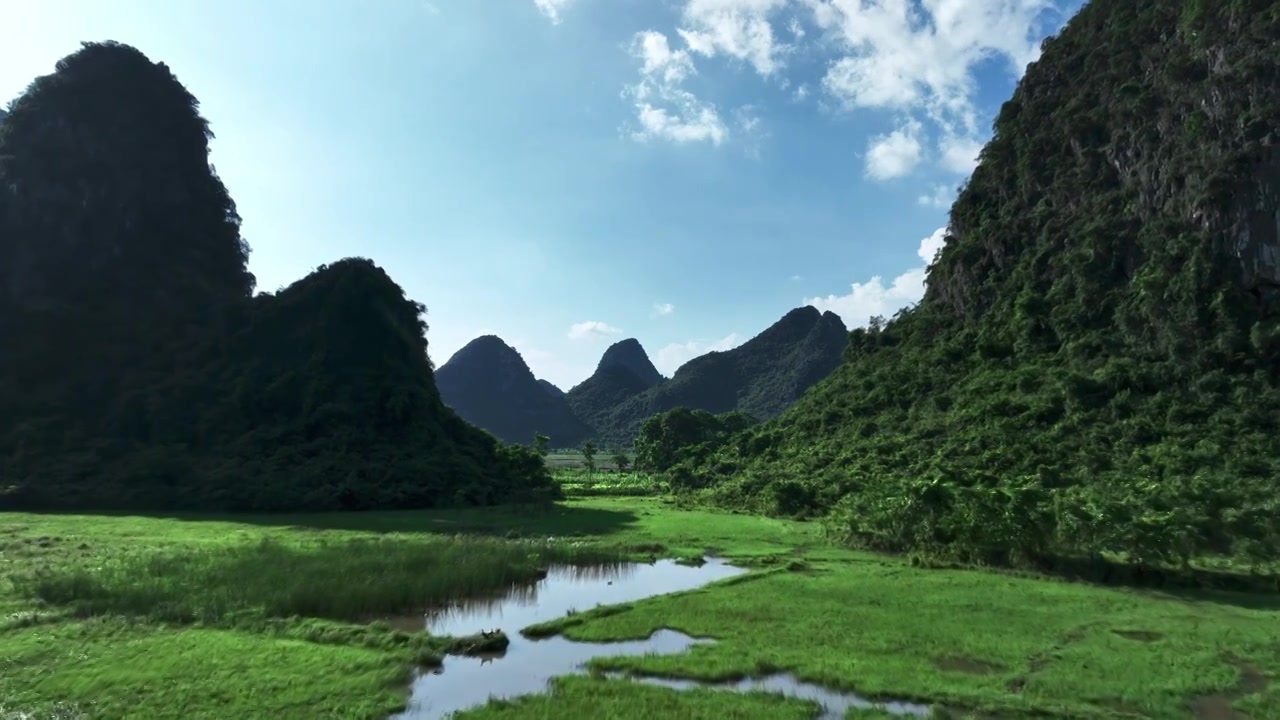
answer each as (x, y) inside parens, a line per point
(527, 664)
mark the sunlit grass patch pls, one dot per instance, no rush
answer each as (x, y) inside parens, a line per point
(579, 482)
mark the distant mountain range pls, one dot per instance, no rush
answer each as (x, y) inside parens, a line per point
(489, 384)
(763, 376)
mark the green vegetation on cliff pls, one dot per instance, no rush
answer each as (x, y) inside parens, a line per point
(137, 369)
(624, 372)
(1095, 368)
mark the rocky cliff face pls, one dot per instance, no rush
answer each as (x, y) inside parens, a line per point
(1173, 130)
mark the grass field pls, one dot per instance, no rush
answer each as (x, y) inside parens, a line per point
(578, 482)
(248, 617)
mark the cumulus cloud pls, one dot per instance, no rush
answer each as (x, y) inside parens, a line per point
(875, 297)
(592, 328)
(664, 108)
(553, 9)
(894, 154)
(941, 196)
(739, 29)
(960, 154)
(921, 59)
(664, 308)
(671, 357)
(915, 59)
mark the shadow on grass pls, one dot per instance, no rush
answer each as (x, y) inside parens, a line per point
(1223, 587)
(503, 521)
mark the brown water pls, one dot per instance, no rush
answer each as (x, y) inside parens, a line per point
(528, 664)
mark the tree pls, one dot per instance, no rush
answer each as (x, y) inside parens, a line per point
(622, 462)
(666, 439)
(589, 457)
(541, 444)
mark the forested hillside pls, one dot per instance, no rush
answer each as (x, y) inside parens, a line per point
(624, 372)
(488, 383)
(137, 369)
(761, 377)
(1095, 365)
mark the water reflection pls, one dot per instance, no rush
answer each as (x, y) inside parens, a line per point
(528, 664)
(570, 589)
(835, 705)
(468, 682)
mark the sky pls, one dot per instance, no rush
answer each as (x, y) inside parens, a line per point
(568, 173)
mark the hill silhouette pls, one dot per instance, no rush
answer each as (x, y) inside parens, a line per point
(1095, 365)
(139, 372)
(551, 388)
(762, 377)
(624, 372)
(488, 383)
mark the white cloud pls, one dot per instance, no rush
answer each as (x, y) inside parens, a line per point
(874, 297)
(665, 109)
(739, 29)
(658, 59)
(671, 357)
(664, 308)
(940, 197)
(553, 9)
(960, 154)
(895, 154)
(750, 130)
(920, 58)
(917, 59)
(592, 328)
(796, 29)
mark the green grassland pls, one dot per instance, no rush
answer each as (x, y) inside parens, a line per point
(579, 482)
(275, 616)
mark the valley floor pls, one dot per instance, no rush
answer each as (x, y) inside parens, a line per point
(976, 643)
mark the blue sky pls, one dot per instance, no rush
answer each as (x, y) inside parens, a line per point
(566, 173)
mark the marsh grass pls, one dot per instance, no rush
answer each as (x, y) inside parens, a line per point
(348, 581)
(577, 482)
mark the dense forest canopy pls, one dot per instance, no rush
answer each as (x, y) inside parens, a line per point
(139, 371)
(1095, 367)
